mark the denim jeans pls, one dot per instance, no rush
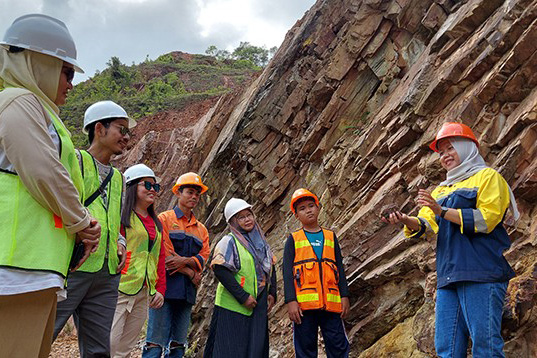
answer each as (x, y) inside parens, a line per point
(167, 328)
(470, 310)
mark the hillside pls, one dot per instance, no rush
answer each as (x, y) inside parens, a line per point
(170, 82)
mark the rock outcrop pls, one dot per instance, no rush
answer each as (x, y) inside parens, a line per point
(347, 108)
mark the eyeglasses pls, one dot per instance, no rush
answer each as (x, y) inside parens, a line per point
(123, 130)
(148, 185)
(245, 217)
(69, 73)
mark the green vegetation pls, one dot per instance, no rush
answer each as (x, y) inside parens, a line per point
(172, 81)
(259, 56)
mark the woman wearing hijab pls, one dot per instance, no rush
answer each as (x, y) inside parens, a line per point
(143, 279)
(466, 212)
(243, 264)
(40, 209)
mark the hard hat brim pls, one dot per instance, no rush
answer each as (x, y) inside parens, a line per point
(132, 123)
(433, 146)
(236, 211)
(157, 179)
(305, 195)
(452, 130)
(203, 187)
(70, 60)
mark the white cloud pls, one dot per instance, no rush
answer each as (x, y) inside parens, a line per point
(259, 22)
(217, 12)
(134, 29)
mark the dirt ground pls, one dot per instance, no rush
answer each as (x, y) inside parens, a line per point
(66, 345)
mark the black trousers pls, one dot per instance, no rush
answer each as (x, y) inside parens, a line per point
(332, 329)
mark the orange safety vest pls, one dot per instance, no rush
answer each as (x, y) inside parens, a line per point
(316, 280)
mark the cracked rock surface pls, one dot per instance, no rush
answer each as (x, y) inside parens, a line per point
(347, 108)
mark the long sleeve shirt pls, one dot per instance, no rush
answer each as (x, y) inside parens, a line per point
(29, 147)
(186, 237)
(227, 279)
(472, 251)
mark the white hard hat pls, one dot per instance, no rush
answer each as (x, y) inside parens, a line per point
(233, 206)
(103, 110)
(138, 171)
(43, 34)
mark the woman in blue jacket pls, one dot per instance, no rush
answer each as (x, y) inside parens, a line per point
(466, 212)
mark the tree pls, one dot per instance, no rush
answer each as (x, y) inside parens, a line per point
(116, 68)
(211, 50)
(120, 77)
(257, 55)
(223, 55)
(219, 54)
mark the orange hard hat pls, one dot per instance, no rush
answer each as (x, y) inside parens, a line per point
(452, 129)
(302, 193)
(189, 179)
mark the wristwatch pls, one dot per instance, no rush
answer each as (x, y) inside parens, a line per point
(443, 212)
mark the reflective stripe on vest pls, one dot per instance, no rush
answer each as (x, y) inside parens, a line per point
(32, 237)
(316, 280)
(246, 277)
(109, 217)
(141, 265)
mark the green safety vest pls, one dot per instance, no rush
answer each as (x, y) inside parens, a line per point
(109, 217)
(32, 237)
(246, 277)
(141, 265)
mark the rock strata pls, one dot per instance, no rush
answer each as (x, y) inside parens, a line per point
(347, 108)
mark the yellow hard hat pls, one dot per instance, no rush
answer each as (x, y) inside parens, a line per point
(302, 193)
(189, 179)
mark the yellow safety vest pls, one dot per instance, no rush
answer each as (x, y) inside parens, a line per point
(32, 237)
(246, 277)
(142, 263)
(109, 217)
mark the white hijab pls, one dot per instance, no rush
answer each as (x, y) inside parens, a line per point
(33, 71)
(471, 163)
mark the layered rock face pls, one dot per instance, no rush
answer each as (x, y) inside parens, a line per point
(347, 108)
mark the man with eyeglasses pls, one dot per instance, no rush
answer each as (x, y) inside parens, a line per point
(186, 242)
(92, 291)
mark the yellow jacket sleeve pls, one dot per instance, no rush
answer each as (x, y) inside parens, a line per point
(492, 201)
(428, 225)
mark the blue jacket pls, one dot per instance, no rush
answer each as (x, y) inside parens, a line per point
(187, 238)
(474, 250)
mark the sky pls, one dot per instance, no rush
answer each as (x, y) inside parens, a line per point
(136, 29)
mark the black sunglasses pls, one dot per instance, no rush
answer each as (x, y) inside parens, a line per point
(123, 130)
(148, 185)
(69, 73)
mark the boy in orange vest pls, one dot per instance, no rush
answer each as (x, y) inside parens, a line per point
(316, 291)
